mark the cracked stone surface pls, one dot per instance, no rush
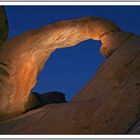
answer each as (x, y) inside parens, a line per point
(108, 104)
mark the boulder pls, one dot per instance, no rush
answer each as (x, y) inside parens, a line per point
(50, 97)
(37, 100)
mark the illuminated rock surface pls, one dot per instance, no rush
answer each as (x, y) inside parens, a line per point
(22, 57)
(108, 104)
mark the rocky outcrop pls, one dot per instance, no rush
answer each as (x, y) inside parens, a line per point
(23, 57)
(108, 104)
(37, 100)
(116, 86)
(50, 97)
(3, 25)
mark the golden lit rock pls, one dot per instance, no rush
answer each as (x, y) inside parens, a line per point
(22, 57)
(108, 104)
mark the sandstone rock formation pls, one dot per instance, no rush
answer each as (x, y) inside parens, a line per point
(108, 104)
(37, 100)
(3, 25)
(23, 57)
(51, 97)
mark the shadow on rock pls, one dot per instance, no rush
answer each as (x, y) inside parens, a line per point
(37, 100)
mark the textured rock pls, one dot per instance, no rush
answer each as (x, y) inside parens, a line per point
(23, 57)
(108, 104)
(65, 118)
(116, 86)
(3, 25)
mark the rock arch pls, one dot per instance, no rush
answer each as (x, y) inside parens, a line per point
(23, 57)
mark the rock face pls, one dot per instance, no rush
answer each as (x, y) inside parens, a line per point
(3, 25)
(23, 57)
(108, 104)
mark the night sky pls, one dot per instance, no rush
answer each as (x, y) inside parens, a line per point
(69, 69)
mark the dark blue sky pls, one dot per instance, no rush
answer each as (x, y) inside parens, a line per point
(68, 70)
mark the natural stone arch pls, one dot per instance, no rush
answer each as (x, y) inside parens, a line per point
(23, 57)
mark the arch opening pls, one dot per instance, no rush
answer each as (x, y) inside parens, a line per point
(32, 49)
(68, 70)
